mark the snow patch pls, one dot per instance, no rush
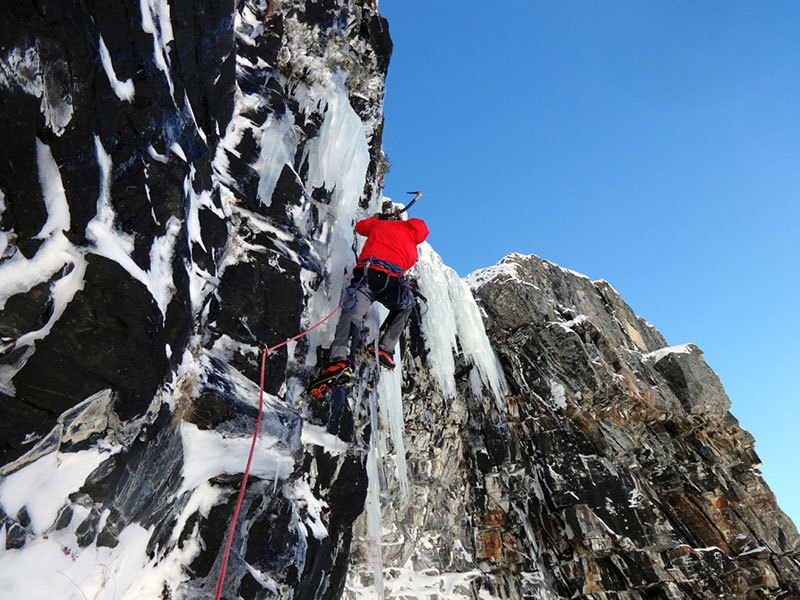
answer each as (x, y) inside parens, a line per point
(504, 270)
(657, 355)
(406, 582)
(756, 550)
(558, 394)
(20, 274)
(123, 89)
(311, 507)
(208, 454)
(568, 325)
(316, 435)
(41, 486)
(55, 199)
(156, 21)
(112, 243)
(109, 241)
(55, 567)
(636, 499)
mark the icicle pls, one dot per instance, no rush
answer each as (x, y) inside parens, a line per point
(452, 325)
(374, 457)
(337, 160)
(391, 406)
(373, 509)
(390, 402)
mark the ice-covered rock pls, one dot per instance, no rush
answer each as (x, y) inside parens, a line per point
(178, 184)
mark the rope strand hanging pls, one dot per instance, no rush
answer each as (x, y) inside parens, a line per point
(265, 351)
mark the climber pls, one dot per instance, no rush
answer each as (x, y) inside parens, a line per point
(389, 251)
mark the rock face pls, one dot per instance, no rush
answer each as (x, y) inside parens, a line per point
(649, 479)
(178, 185)
(610, 469)
(175, 178)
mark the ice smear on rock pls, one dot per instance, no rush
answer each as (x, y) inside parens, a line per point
(338, 160)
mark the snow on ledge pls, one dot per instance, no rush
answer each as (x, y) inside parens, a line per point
(478, 278)
(208, 454)
(657, 355)
(41, 486)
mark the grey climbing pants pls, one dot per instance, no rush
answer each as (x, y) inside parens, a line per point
(374, 285)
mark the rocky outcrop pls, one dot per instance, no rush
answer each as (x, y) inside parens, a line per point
(648, 478)
(611, 468)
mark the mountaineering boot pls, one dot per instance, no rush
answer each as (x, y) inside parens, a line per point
(386, 360)
(336, 372)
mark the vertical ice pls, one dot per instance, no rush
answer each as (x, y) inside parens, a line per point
(337, 159)
(453, 324)
(391, 407)
(373, 510)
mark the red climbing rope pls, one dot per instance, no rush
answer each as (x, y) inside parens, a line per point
(235, 518)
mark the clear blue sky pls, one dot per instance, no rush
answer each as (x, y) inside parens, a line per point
(655, 145)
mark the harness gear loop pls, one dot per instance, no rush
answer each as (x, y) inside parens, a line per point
(351, 290)
(391, 270)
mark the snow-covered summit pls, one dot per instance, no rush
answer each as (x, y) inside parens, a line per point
(508, 268)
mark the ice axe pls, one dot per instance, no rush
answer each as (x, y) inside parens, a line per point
(410, 204)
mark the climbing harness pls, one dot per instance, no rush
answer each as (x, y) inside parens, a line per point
(392, 271)
(350, 299)
(264, 352)
(381, 265)
(405, 293)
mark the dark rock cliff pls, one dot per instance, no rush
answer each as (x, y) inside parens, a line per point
(170, 196)
(178, 184)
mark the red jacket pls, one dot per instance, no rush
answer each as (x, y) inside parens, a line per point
(392, 241)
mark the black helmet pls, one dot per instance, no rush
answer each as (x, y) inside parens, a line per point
(388, 210)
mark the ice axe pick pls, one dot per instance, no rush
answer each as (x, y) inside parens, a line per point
(410, 204)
